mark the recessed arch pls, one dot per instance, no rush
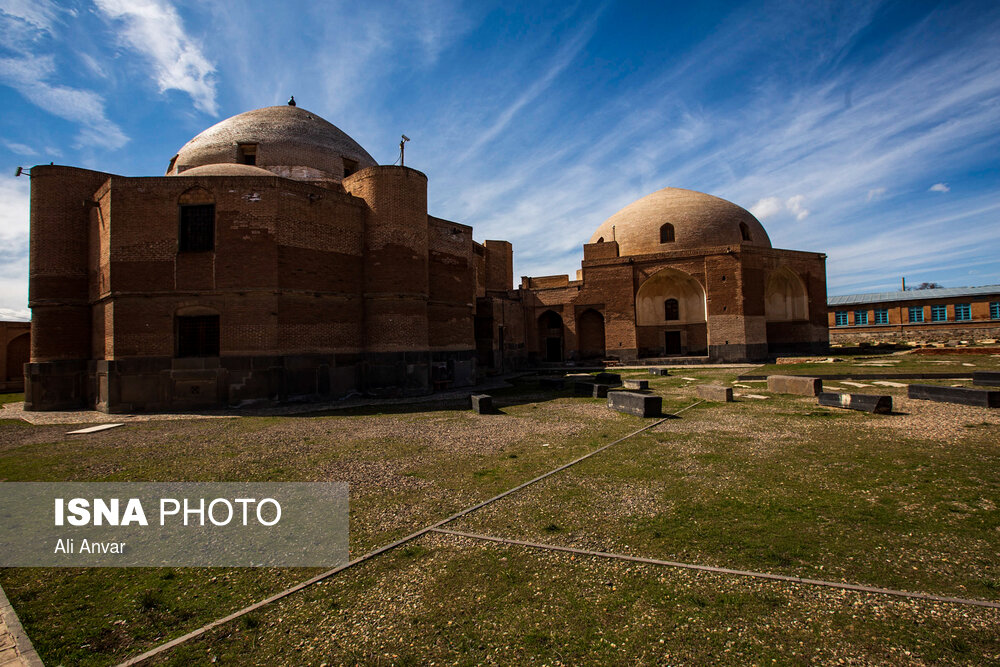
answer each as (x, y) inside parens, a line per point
(785, 298)
(18, 351)
(590, 334)
(666, 284)
(550, 335)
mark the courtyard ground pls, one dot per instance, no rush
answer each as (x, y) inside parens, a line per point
(774, 485)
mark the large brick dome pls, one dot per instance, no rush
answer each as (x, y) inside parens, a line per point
(696, 220)
(286, 140)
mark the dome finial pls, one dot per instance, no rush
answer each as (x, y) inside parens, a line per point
(291, 101)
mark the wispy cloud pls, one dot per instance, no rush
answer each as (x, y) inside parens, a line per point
(30, 77)
(13, 246)
(875, 194)
(154, 29)
(939, 187)
(20, 149)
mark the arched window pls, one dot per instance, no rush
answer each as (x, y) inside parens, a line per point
(667, 233)
(744, 231)
(671, 310)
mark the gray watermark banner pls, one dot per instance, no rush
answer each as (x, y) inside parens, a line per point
(174, 524)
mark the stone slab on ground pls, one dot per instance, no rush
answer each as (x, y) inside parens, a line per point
(482, 404)
(795, 384)
(986, 378)
(658, 371)
(94, 429)
(583, 388)
(600, 390)
(715, 392)
(636, 384)
(874, 403)
(984, 398)
(608, 378)
(634, 403)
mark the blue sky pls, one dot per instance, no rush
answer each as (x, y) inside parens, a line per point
(869, 131)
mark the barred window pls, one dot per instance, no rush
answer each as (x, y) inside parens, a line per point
(671, 310)
(840, 318)
(963, 311)
(197, 228)
(881, 316)
(861, 317)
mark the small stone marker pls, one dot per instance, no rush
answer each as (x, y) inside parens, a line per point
(986, 378)
(640, 405)
(880, 405)
(93, 429)
(715, 392)
(636, 384)
(794, 384)
(600, 390)
(608, 378)
(482, 404)
(551, 383)
(985, 398)
(886, 383)
(658, 371)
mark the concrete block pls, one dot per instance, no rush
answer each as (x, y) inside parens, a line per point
(986, 398)
(636, 384)
(874, 403)
(608, 378)
(658, 371)
(482, 404)
(640, 405)
(794, 384)
(715, 392)
(583, 388)
(600, 390)
(551, 383)
(986, 378)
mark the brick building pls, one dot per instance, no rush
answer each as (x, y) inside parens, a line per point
(680, 273)
(16, 340)
(925, 315)
(276, 259)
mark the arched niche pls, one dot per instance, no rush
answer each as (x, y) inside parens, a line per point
(196, 196)
(670, 284)
(785, 298)
(550, 335)
(590, 334)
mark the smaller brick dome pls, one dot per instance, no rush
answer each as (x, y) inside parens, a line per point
(695, 220)
(286, 140)
(225, 170)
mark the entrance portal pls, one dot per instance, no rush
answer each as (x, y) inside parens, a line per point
(672, 343)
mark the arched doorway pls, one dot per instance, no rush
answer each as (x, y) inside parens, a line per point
(590, 334)
(17, 356)
(550, 336)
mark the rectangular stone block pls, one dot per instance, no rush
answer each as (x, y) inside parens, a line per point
(551, 383)
(658, 371)
(874, 403)
(641, 385)
(985, 398)
(794, 384)
(482, 404)
(600, 390)
(640, 405)
(583, 388)
(715, 392)
(986, 378)
(608, 378)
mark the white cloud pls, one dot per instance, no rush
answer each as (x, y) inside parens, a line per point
(19, 315)
(14, 193)
(29, 77)
(939, 187)
(794, 204)
(20, 149)
(766, 207)
(875, 193)
(154, 28)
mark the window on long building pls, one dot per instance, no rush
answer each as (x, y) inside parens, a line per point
(840, 318)
(861, 317)
(881, 316)
(939, 313)
(995, 310)
(963, 311)
(916, 313)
